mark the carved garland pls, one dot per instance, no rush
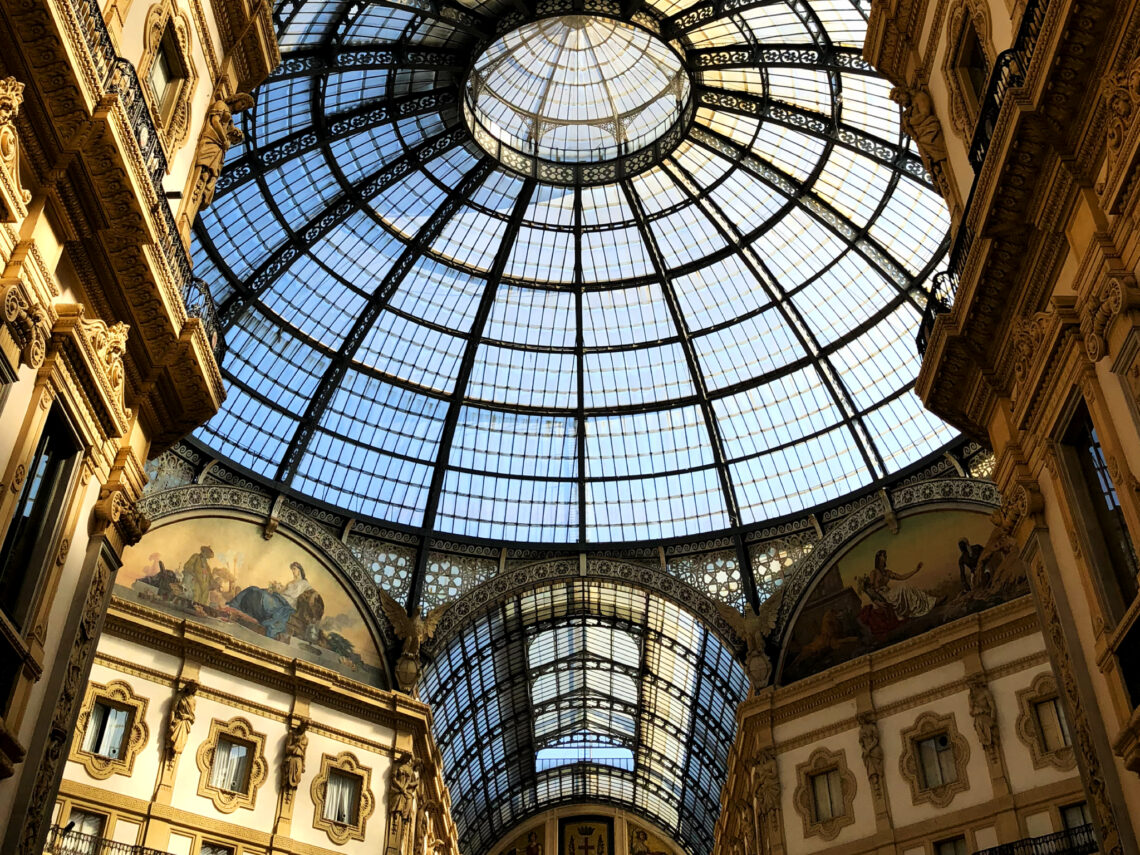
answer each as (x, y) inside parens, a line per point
(929, 725)
(821, 762)
(1043, 688)
(238, 730)
(339, 832)
(173, 123)
(116, 694)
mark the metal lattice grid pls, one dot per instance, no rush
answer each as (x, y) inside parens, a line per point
(708, 339)
(584, 691)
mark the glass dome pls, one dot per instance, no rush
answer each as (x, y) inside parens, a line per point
(711, 333)
(575, 88)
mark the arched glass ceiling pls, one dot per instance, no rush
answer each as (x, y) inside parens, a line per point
(421, 335)
(584, 691)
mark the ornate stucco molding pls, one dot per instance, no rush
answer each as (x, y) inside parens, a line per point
(25, 321)
(13, 197)
(93, 351)
(821, 762)
(118, 694)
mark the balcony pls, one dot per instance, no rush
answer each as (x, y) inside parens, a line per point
(1009, 72)
(1072, 841)
(118, 77)
(61, 841)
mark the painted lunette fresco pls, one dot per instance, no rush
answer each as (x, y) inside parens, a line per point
(941, 565)
(274, 593)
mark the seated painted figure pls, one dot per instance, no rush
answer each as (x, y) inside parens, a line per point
(282, 611)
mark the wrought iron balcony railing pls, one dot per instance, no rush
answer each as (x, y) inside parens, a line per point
(1009, 72)
(1072, 841)
(64, 842)
(119, 77)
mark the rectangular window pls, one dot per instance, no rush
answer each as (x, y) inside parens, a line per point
(1112, 545)
(953, 846)
(38, 509)
(342, 797)
(1075, 816)
(231, 766)
(936, 757)
(827, 795)
(215, 849)
(106, 730)
(165, 73)
(1054, 728)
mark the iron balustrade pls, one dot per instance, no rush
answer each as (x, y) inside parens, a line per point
(1071, 841)
(119, 77)
(1009, 72)
(61, 841)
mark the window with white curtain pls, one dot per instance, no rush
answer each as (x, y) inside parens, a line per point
(106, 730)
(231, 766)
(342, 797)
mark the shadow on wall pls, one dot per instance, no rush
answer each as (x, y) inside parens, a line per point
(941, 565)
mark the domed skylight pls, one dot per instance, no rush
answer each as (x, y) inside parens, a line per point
(711, 333)
(575, 88)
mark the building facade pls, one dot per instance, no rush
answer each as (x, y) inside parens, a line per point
(1029, 339)
(114, 120)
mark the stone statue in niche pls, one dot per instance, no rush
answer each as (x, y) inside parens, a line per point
(182, 717)
(296, 743)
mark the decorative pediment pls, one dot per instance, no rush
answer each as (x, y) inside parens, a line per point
(93, 352)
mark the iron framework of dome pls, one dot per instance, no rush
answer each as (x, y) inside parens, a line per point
(703, 340)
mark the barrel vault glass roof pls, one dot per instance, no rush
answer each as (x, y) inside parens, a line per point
(584, 691)
(421, 335)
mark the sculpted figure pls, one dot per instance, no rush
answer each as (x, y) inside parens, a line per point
(404, 781)
(182, 717)
(984, 713)
(219, 134)
(872, 751)
(296, 743)
(753, 628)
(413, 629)
(766, 783)
(921, 123)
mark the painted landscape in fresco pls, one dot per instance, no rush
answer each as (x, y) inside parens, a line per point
(940, 566)
(273, 593)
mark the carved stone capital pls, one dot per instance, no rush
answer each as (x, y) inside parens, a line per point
(25, 321)
(114, 509)
(1099, 311)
